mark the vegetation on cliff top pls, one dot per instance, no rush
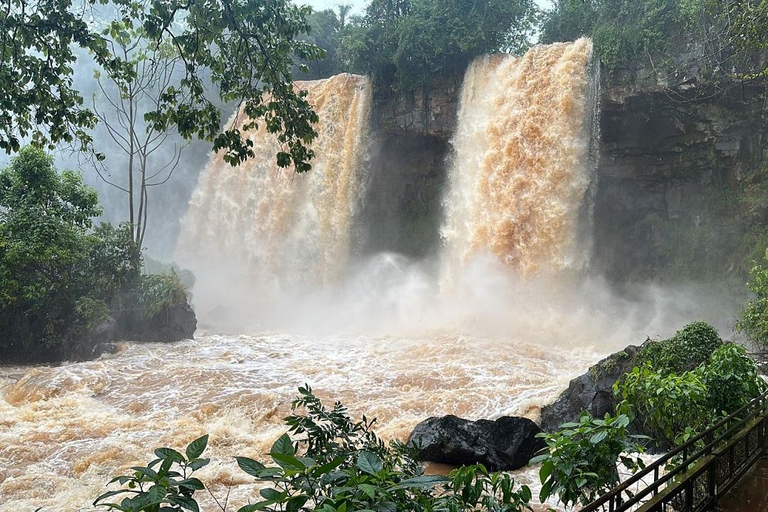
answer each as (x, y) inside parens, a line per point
(408, 43)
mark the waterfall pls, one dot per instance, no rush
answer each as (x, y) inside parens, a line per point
(266, 230)
(522, 166)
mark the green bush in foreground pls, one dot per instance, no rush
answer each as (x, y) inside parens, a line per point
(581, 460)
(673, 407)
(332, 464)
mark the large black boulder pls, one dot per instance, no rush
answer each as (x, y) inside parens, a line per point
(501, 445)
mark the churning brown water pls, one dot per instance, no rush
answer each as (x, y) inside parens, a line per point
(382, 335)
(65, 431)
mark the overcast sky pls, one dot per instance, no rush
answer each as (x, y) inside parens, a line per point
(358, 6)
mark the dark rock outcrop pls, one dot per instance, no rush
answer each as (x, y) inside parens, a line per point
(407, 168)
(502, 445)
(591, 392)
(95, 342)
(175, 323)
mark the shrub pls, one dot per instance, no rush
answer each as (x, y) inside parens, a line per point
(333, 464)
(673, 407)
(732, 379)
(754, 317)
(158, 292)
(687, 349)
(581, 460)
(664, 404)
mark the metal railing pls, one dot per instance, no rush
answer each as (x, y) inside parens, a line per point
(704, 468)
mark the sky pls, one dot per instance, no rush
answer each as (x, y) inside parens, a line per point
(358, 6)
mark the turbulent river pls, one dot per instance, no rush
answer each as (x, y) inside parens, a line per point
(66, 431)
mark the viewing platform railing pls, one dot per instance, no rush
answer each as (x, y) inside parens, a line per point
(701, 473)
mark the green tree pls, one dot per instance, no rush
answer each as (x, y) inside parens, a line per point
(754, 317)
(149, 154)
(413, 41)
(44, 220)
(245, 48)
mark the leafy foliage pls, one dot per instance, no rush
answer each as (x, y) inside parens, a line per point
(654, 31)
(165, 484)
(44, 253)
(732, 379)
(581, 460)
(687, 349)
(411, 41)
(245, 48)
(332, 464)
(621, 29)
(672, 407)
(158, 292)
(666, 404)
(754, 317)
(59, 278)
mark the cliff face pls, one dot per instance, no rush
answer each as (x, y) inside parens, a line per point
(671, 166)
(407, 168)
(673, 161)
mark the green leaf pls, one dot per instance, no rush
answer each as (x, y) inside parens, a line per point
(288, 461)
(250, 466)
(196, 448)
(283, 446)
(296, 502)
(598, 437)
(271, 494)
(368, 489)
(546, 470)
(255, 506)
(184, 502)
(191, 483)
(369, 462)
(169, 454)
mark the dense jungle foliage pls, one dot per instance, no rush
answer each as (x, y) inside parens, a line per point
(410, 42)
(59, 276)
(728, 36)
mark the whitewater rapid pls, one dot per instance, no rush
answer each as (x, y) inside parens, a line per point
(65, 431)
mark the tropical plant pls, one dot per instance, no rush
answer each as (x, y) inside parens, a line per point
(581, 460)
(687, 349)
(332, 464)
(165, 484)
(754, 317)
(673, 407)
(664, 404)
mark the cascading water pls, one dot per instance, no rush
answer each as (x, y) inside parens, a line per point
(502, 346)
(522, 166)
(274, 229)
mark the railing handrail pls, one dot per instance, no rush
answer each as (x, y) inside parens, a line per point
(759, 404)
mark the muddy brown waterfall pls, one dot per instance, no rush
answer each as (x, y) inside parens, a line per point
(522, 164)
(272, 229)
